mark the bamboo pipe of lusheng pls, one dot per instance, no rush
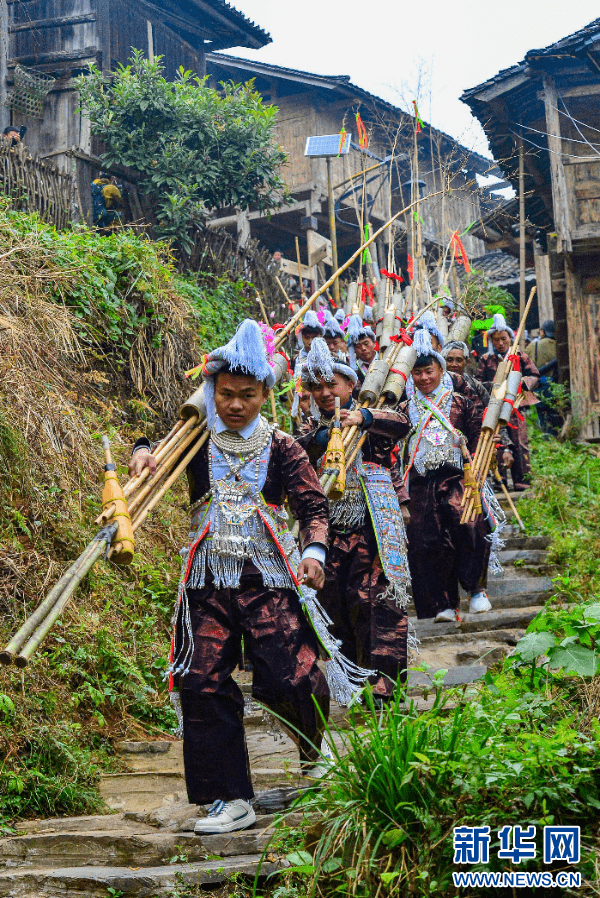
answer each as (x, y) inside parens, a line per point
(40, 613)
(348, 433)
(153, 500)
(70, 582)
(486, 444)
(283, 333)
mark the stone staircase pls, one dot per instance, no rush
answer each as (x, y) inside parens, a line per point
(146, 847)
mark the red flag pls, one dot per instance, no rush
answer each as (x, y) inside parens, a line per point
(460, 254)
(363, 137)
(410, 267)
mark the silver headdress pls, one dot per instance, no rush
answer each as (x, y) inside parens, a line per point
(245, 353)
(428, 323)
(500, 325)
(321, 364)
(311, 320)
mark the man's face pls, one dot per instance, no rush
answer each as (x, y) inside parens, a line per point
(336, 344)
(365, 350)
(427, 379)
(501, 341)
(277, 256)
(446, 311)
(324, 392)
(14, 135)
(456, 361)
(305, 402)
(307, 338)
(238, 399)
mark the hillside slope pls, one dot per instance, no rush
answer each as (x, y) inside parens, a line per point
(95, 335)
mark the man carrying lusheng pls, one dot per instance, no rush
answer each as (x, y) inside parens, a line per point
(366, 573)
(502, 335)
(241, 577)
(456, 354)
(442, 552)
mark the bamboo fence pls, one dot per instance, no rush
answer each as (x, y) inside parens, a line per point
(33, 185)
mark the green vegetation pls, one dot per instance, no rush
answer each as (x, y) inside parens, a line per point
(522, 747)
(95, 334)
(195, 148)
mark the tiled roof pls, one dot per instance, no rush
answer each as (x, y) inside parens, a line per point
(258, 36)
(500, 269)
(342, 84)
(579, 42)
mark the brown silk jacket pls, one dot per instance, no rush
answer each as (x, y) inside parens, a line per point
(388, 428)
(289, 475)
(531, 376)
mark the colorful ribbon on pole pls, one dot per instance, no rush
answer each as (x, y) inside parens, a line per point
(460, 255)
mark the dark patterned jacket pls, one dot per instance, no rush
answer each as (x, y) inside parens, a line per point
(289, 475)
(388, 428)
(463, 416)
(488, 366)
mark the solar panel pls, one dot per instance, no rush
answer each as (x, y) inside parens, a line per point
(328, 145)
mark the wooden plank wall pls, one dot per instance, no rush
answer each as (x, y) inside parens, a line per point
(67, 37)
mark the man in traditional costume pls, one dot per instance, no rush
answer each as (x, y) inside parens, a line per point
(501, 337)
(333, 334)
(362, 344)
(442, 552)
(366, 573)
(311, 327)
(242, 577)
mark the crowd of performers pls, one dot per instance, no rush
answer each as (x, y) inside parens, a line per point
(322, 611)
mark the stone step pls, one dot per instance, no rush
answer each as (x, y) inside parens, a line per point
(419, 681)
(127, 848)
(519, 541)
(526, 556)
(519, 586)
(457, 638)
(147, 882)
(95, 822)
(143, 791)
(509, 618)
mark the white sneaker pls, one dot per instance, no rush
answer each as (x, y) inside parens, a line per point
(447, 616)
(226, 817)
(323, 765)
(479, 603)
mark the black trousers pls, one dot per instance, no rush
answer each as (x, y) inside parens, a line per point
(283, 649)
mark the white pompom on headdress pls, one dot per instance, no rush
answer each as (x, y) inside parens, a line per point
(322, 365)
(422, 346)
(355, 331)
(332, 326)
(501, 325)
(340, 316)
(311, 320)
(428, 323)
(245, 353)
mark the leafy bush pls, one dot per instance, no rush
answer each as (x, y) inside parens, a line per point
(195, 148)
(505, 753)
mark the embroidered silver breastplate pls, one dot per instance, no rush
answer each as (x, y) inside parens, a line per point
(436, 445)
(237, 532)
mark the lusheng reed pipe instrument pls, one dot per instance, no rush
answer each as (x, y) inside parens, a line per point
(486, 445)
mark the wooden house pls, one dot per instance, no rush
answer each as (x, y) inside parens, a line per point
(311, 105)
(60, 38)
(546, 109)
